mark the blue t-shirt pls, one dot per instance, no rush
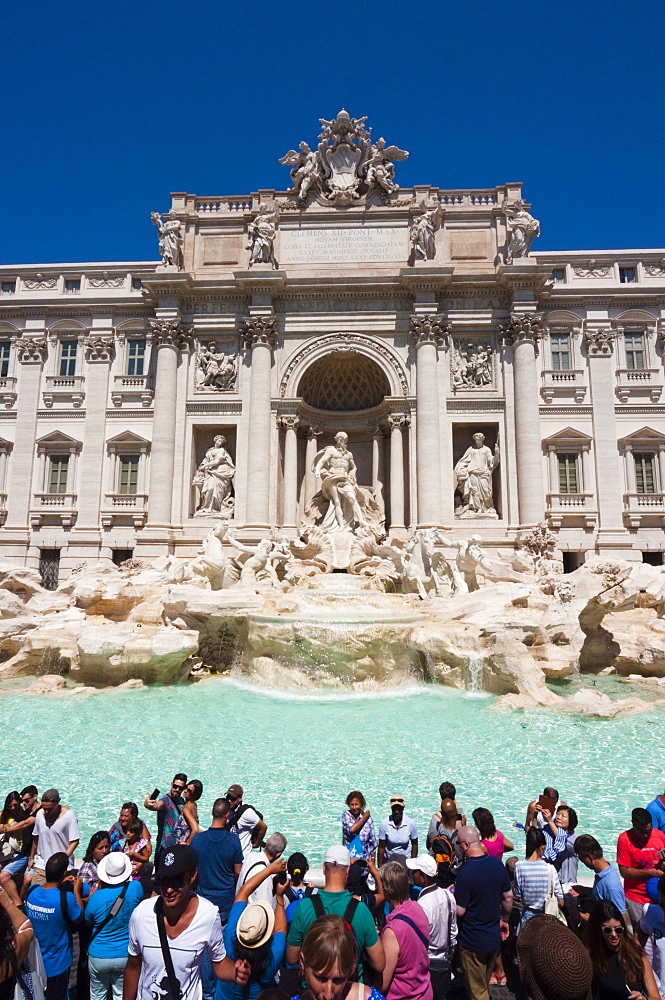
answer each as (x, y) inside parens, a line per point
(608, 885)
(231, 991)
(43, 907)
(113, 940)
(479, 886)
(218, 851)
(657, 812)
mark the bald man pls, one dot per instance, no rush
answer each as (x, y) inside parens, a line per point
(484, 900)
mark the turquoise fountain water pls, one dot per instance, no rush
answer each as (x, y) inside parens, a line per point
(299, 755)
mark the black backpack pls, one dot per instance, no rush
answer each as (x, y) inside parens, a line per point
(349, 913)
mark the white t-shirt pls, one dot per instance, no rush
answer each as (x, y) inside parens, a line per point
(56, 837)
(439, 905)
(251, 866)
(653, 924)
(203, 934)
(243, 827)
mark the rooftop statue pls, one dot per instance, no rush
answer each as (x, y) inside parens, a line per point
(421, 234)
(261, 236)
(170, 240)
(523, 228)
(346, 163)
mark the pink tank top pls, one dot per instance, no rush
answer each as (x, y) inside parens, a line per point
(495, 847)
(411, 980)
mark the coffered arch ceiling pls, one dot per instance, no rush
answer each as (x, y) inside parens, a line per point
(344, 381)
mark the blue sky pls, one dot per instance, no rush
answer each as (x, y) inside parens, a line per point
(109, 107)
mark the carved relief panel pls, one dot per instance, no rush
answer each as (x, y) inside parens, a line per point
(472, 364)
(216, 367)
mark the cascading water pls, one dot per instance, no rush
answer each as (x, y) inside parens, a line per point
(475, 668)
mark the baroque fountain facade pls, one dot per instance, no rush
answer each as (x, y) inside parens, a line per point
(343, 433)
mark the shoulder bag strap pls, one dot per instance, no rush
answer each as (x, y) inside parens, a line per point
(350, 911)
(317, 903)
(257, 864)
(174, 985)
(407, 920)
(113, 912)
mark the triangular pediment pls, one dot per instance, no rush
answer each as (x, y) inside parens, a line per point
(56, 439)
(569, 435)
(127, 438)
(646, 435)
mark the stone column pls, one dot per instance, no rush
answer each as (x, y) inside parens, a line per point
(99, 354)
(661, 468)
(396, 421)
(259, 334)
(311, 449)
(31, 354)
(586, 470)
(554, 469)
(523, 331)
(376, 430)
(631, 485)
(599, 340)
(168, 340)
(289, 424)
(428, 331)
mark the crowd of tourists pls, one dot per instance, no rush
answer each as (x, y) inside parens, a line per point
(220, 910)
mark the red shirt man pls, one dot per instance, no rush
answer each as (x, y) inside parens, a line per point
(639, 859)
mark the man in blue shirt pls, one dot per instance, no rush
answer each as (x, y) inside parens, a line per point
(52, 911)
(607, 883)
(220, 859)
(656, 809)
(484, 902)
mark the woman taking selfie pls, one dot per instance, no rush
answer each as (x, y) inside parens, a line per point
(621, 969)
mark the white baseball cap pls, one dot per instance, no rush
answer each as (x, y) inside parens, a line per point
(424, 863)
(337, 855)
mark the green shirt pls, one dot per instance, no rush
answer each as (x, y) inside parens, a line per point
(363, 924)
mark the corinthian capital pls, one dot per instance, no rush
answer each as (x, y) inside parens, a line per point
(429, 329)
(98, 348)
(599, 341)
(398, 420)
(289, 421)
(258, 330)
(31, 350)
(171, 333)
(521, 326)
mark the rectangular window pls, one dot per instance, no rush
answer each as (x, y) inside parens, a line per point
(59, 465)
(627, 275)
(129, 474)
(5, 347)
(135, 357)
(8, 287)
(634, 343)
(644, 473)
(72, 286)
(560, 345)
(558, 275)
(68, 357)
(49, 567)
(568, 482)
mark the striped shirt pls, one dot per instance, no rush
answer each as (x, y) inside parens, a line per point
(531, 886)
(554, 845)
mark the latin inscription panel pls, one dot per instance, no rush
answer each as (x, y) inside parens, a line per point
(377, 244)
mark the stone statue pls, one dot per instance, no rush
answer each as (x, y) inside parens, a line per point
(211, 567)
(261, 236)
(305, 172)
(346, 163)
(261, 566)
(213, 479)
(471, 366)
(216, 369)
(473, 478)
(170, 240)
(523, 229)
(470, 558)
(421, 234)
(341, 504)
(380, 171)
(310, 557)
(425, 570)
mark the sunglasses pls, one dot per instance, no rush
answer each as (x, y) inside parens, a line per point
(177, 882)
(179, 788)
(611, 931)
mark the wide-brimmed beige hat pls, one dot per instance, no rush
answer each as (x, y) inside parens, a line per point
(114, 868)
(256, 924)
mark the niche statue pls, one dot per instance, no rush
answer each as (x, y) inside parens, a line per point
(473, 478)
(213, 480)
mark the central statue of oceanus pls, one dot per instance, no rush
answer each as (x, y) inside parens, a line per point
(341, 504)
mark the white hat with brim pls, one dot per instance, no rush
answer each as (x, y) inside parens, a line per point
(114, 868)
(424, 863)
(256, 924)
